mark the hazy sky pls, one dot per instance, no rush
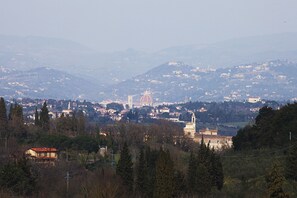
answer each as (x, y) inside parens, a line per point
(109, 25)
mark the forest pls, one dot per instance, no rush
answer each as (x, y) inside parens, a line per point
(146, 160)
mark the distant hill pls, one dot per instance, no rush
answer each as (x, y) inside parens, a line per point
(45, 83)
(176, 81)
(110, 68)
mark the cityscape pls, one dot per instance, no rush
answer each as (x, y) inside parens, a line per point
(148, 99)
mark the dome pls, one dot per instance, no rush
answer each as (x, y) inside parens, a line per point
(146, 99)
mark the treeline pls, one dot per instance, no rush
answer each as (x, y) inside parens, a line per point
(275, 130)
(272, 128)
(156, 175)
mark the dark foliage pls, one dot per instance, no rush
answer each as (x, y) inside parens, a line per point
(291, 163)
(125, 168)
(18, 177)
(271, 129)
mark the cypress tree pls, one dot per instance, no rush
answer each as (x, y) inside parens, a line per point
(3, 118)
(16, 120)
(179, 184)
(141, 173)
(36, 121)
(291, 163)
(150, 160)
(125, 168)
(164, 176)
(4, 130)
(203, 181)
(44, 117)
(216, 171)
(192, 167)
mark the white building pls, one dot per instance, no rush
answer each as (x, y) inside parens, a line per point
(190, 128)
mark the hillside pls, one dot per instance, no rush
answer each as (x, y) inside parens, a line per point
(44, 83)
(176, 81)
(113, 67)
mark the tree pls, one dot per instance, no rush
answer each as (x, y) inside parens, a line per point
(36, 121)
(151, 157)
(44, 118)
(179, 184)
(192, 167)
(164, 176)
(125, 168)
(18, 177)
(275, 182)
(16, 121)
(203, 181)
(3, 120)
(291, 163)
(80, 122)
(216, 171)
(141, 173)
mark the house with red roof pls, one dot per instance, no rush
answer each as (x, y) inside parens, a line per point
(42, 154)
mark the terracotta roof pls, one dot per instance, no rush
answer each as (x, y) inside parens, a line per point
(43, 149)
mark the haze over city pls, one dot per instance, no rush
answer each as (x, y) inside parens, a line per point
(146, 25)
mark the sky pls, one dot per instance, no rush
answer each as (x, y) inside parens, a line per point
(149, 25)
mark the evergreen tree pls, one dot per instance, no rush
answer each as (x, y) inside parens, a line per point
(179, 184)
(151, 157)
(291, 163)
(164, 176)
(141, 173)
(274, 182)
(18, 177)
(44, 117)
(125, 168)
(3, 119)
(192, 167)
(80, 122)
(203, 181)
(36, 121)
(216, 171)
(10, 112)
(16, 121)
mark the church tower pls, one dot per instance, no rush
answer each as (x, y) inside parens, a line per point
(190, 128)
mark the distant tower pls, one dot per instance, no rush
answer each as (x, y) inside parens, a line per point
(130, 101)
(69, 106)
(146, 99)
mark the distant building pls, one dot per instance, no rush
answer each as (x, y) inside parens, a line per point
(42, 155)
(68, 112)
(211, 137)
(190, 128)
(146, 99)
(130, 101)
(254, 99)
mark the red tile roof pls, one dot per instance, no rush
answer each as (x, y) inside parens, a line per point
(44, 149)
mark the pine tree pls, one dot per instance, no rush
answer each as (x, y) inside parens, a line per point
(274, 182)
(125, 168)
(291, 163)
(44, 117)
(164, 176)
